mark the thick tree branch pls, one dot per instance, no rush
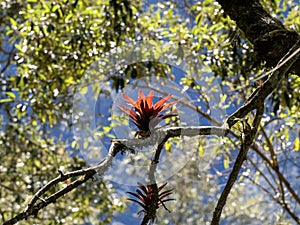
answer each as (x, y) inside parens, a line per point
(159, 135)
(268, 35)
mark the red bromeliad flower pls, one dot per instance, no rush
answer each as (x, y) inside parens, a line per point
(144, 114)
(150, 199)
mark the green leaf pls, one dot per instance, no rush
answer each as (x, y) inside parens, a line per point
(13, 22)
(37, 163)
(168, 146)
(74, 144)
(111, 136)
(6, 100)
(241, 178)
(226, 162)
(11, 94)
(200, 151)
(256, 177)
(297, 144)
(106, 129)
(198, 18)
(56, 7)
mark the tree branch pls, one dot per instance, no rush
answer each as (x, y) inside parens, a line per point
(270, 38)
(8, 60)
(247, 139)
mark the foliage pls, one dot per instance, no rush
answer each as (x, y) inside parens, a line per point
(46, 48)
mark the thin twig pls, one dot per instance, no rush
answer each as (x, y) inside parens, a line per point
(279, 174)
(254, 164)
(281, 203)
(275, 162)
(8, 60)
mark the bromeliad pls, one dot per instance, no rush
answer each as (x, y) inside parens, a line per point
(151, 198)
(146, 115)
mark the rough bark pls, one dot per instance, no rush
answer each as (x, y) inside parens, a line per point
(271, 40)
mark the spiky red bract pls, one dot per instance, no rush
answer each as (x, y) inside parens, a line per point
(144, 114)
